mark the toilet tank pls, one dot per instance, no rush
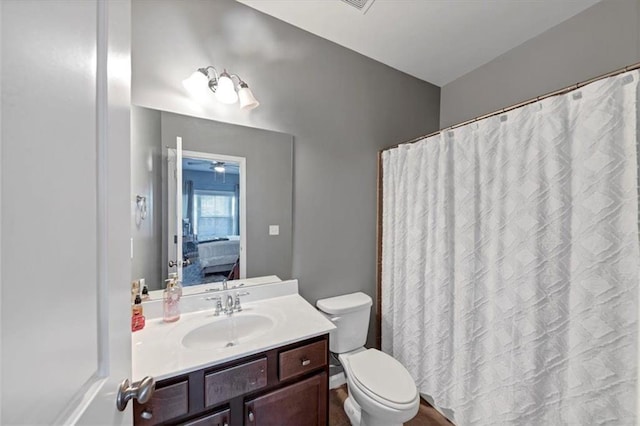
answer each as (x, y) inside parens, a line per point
(350, 314)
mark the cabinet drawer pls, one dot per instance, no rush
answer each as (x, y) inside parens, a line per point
(221, 418)
(165, 404)
(300, 360)
(231, 382)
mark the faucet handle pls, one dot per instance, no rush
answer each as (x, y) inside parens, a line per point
(218, 304)
(237, 306)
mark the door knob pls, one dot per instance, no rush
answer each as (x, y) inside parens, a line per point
(141, 391)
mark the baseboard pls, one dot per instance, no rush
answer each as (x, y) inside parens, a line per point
(337, 380)
(448, 414)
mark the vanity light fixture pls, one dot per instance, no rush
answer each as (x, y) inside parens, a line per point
(223, 85)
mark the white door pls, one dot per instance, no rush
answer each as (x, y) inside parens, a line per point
(174, 209)
(178, 194)
(65, 210)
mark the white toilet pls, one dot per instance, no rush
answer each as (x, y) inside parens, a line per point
(381, 391)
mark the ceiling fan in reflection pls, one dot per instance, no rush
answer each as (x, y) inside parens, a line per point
(217, 166)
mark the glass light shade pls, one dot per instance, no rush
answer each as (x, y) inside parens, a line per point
(196, 82)
(247, 100)
(219, 168)
(225, 92)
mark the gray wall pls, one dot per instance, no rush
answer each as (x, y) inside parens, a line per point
(269, 183)
(603, 38)
(146, 180)
(340, 106)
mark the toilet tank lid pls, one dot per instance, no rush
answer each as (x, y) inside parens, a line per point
(345, 303)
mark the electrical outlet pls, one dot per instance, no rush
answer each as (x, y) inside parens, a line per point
(274, 230)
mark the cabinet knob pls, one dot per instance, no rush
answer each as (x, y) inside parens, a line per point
(146, 414)
(251, 416)
(305, 362)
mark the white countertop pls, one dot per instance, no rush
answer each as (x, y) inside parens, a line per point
(158, 350)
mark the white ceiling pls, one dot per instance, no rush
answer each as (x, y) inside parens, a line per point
(433, 40)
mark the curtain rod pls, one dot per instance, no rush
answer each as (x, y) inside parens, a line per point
(520, 104)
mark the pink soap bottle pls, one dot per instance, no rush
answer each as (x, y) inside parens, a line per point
(171, 299)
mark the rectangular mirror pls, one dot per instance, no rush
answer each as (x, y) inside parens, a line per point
(208, 215)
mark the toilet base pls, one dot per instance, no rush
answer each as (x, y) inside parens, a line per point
(358, 418)
(353, 411)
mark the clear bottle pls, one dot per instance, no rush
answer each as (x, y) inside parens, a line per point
(171, 299)
(145, 294)
(144, 291)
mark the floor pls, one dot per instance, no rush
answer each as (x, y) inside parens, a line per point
(193, 275)
(427, 415)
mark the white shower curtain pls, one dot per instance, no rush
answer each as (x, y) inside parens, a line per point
(510, 261)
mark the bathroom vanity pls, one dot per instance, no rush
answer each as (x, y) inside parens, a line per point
(265, 365)
(285, 385)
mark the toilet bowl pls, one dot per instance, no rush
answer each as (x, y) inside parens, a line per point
(381, 387)
(381, 390)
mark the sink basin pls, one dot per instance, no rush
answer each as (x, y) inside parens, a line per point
(228, 331)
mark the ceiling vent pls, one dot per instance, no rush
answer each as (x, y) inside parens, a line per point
(362, 5)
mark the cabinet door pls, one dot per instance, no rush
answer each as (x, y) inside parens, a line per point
(303, 403)
(220, 418)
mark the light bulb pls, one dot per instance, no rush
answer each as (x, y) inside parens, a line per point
(226, 92)
(219, 168)
(247, 100)
(196, 82)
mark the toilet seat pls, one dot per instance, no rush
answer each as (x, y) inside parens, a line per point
(382, 378)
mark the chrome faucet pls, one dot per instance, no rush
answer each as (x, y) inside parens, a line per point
(229, 309)
(231, 305)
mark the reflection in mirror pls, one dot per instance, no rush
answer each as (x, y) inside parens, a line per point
(267, 235)
(211, 217)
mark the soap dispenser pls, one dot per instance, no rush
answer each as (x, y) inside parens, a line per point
(171, 299)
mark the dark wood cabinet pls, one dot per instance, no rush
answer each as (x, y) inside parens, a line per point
(282, 386)
(167, 403)
(216, 419)
(301, 403)
(299, 361)
(235, 381)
